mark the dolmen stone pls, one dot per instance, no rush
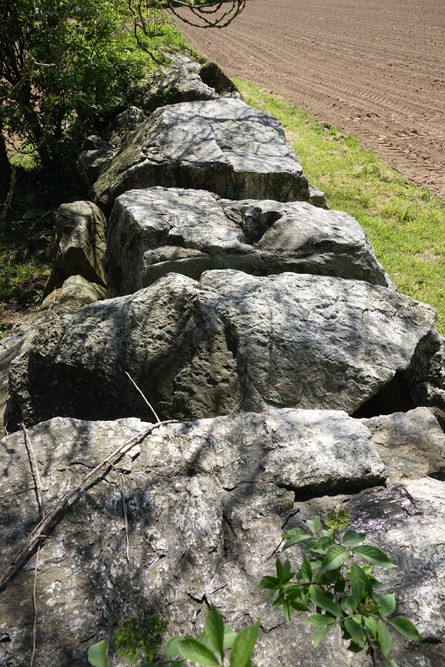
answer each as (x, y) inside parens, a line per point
(155, 231)
(181, 82)
(205, 504)
(221, 145)
(229, 342)
(80, 228)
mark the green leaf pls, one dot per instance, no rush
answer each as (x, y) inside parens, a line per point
(393, 663)
(374, 555)
(355, 631)
(98, 653)
(336, 556)
(296, 591)
(384, 638)
(278, 601)
(214, 627)
(287, 610)
(360, 583)
(306, 570)
(351, 538)
(172, 648)
(229, 637)
(314, 524)
(320, 634)
(299, 606)
(405, 627)
(244, 646)
(320, 620)
(193, 650)
(349, 604)
(321, 545)
(370, 624)
(321, 599)
(294, 536)
(386, 603)
(270, 583)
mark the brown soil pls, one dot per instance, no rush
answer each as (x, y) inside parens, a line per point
(373, 68)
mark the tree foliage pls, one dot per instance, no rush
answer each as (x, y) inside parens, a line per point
(66, 64)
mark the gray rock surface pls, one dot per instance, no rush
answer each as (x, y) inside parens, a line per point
(123, 127)
(181, 82)
(206, 503)
(95, 154)
(154, 231)
(80, 229)
(10, 348)
(75, 293)
(222, 145)
(426, 375)
(411, 444)
(229, 342)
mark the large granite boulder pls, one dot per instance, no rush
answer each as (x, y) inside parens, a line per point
(96, 152)
(10, 348)
(180, 82)
(222, 145)
(154, 231)
(229, 342)
(410, 444)
(80, 229)
(204, 503)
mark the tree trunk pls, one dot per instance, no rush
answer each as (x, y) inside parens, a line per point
(5, 167)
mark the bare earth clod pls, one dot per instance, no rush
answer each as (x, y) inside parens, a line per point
(373, 69)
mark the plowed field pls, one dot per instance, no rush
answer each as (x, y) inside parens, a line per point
(372, 68)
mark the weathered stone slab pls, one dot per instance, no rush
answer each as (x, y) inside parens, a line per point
(181, 82)
(411, 444)
(221, 145)
(229, 342)
(154, 231)
(80, 228)
(10, 348)
(206, 502)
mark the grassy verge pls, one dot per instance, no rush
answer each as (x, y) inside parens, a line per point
(405, 223)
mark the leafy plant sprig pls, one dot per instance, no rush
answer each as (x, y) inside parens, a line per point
(334, 588)
(210, 648)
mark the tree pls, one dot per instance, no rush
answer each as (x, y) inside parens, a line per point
(66, 64)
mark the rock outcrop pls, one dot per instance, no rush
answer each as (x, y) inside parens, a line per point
(205, 503)
(222, 145)
(155, 231)
(230, 341)
(80, 229)
(292, 376)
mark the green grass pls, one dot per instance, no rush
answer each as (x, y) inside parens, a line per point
(405, 223)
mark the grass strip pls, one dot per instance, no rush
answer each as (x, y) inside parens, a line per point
(405, 223)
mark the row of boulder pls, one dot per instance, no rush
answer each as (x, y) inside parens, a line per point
(207, 285)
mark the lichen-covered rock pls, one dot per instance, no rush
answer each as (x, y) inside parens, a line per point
(80, 229)
(10, 348)
(231, 341)
(205, 504)
(426, 375)
(411, 444)
(222, 145)
(181, 82)
(124, 125)
(75, 293)
(95, 154)
(154, 231)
